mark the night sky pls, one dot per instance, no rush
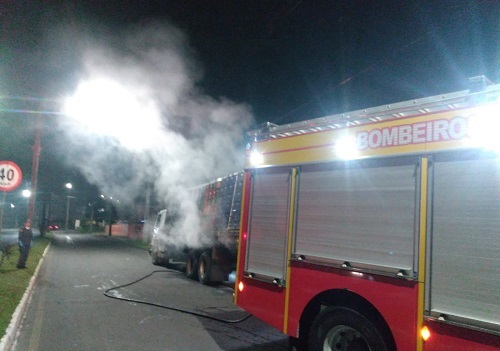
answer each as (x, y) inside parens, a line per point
(286, 60)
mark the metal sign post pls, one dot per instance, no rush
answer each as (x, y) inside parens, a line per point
(1, 210)
(10, 178)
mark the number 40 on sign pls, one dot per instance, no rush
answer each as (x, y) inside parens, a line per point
(10, 176)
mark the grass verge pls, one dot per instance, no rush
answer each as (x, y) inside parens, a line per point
(14, 281)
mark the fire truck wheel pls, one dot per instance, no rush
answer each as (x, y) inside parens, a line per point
(191, 266)
(155, 259)
(344, 329)
(204, 267)
(154, 256)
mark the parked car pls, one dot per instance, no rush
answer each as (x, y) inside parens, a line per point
(53, 227)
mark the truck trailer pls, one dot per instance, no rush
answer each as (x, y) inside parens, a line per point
(377, 229)
(219, 206)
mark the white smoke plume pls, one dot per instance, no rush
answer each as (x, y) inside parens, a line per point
(139, 117)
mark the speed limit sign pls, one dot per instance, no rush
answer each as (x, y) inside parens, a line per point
(10, 176)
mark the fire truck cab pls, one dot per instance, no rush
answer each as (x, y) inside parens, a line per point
(377, 229)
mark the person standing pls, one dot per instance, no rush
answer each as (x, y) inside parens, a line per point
(25, 240)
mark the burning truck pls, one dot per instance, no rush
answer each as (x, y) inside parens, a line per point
(213, 258)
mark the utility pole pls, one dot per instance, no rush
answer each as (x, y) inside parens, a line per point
(110, 206)
(68, 198)
(147, 204)
(34, 167)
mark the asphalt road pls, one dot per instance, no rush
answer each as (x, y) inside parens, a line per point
(69, 311)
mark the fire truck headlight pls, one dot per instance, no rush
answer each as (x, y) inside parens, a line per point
(483, 129)
(256, 158)
(346, 148)
(241, 286)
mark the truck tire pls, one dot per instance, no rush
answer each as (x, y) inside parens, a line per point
(157, 261)
(344, 329)
(192, 266)
(204, 267)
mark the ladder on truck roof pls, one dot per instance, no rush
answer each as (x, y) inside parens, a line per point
(482, 91)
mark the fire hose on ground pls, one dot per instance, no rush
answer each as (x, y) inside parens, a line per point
(107, 294)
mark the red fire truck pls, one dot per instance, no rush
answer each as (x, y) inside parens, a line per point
(377, 229)
(213, 259)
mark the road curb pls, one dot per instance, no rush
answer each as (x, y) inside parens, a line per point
(10, 334)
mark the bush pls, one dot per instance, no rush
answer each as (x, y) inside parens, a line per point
(90, 227)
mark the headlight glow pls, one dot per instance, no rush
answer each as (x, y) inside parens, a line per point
(346, 148)
(256, 158)
(483, 129)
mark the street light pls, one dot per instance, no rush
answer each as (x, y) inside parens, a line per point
(68, 186)
(99, 104)
(110, 210)
(12, 206)
(67, 209)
